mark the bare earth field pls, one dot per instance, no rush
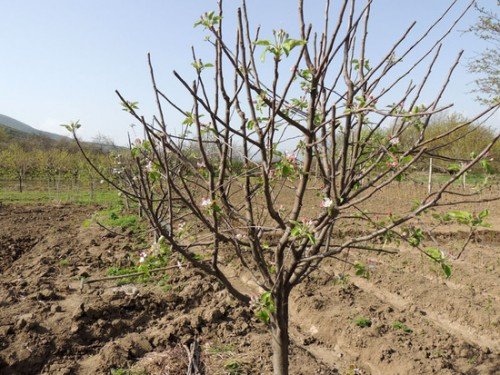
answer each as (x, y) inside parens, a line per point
(419, 322)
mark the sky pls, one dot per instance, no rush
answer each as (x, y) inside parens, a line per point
(62, 61)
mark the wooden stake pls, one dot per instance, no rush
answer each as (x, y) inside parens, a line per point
(429, 185)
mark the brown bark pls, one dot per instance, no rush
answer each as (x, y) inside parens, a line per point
(279, 332)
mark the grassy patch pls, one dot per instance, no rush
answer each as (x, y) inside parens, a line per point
(401, 326)
(233, 367)
(151, 262)
(101, 197)
(363, 322)
(116, 217)
(221, 348)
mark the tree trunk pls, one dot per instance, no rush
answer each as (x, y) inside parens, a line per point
(279, 331)
(20, 183)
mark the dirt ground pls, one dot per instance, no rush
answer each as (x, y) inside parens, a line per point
(415, 321)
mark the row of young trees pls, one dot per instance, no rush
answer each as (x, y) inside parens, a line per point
(52, 165)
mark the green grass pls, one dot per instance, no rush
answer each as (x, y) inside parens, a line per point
(401, 326)
(472, 178)
(363, 322)
(233, 367)
(116, 217)
(151, 262)
(222, 348)
(101, 197)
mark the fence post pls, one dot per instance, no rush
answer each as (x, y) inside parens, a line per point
(429, 184)
(464, 177)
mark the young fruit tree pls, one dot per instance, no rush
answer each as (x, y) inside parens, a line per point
(277, 122)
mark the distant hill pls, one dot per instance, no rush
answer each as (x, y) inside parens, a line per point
(20, 127)
(14, 131)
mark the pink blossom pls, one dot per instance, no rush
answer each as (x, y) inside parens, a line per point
(137, 142)
(394, 141)
(393, 164)
(292, 158)
(308, 222)
(200, 164)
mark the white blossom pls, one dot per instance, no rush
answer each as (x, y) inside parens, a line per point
(206, 202)
(142, 257)
(326, 203)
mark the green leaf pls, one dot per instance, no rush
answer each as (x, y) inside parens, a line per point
(263, 55)
(135, 152)
(434, 253)
(263, 316)
(208, 20)
(129, 106)
(462, 217)
(453, 168)
(446, 269)
(487, 166)
(72, 126)
(295, 232)
(311, 238)
(154, 176)
(483, 214)
(290, 44)
(262, 43)
(189, 120)
(361, 270)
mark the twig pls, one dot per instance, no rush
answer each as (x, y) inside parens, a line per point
(109, 230)
(193, 353)
(135, 274)
(471, 233)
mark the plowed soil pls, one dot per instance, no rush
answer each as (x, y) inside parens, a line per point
(419, 322)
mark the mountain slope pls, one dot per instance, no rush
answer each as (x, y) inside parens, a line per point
(19, 126)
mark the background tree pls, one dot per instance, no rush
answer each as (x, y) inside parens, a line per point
(451, 150)
(317, 99)
(487, 63)
(16, 160)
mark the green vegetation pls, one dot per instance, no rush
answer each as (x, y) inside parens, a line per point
(437, 256)
(221, 348)
(37, 169)
(399, 325)
(100, 197)
(264, 307)
(363, 322)
(122, 371)
(157, 257)
(362, 270)
(341, 280)
(116, 217)
(233, 367)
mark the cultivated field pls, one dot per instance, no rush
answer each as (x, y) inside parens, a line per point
(400, 315)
